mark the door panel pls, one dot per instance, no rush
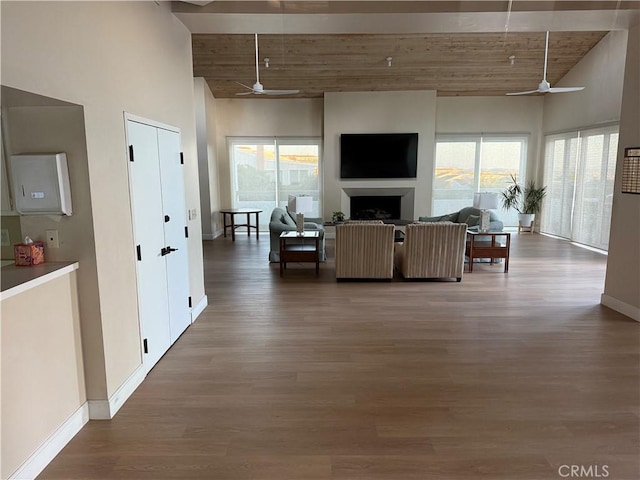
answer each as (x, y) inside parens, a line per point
(145, 190)
(173, 204)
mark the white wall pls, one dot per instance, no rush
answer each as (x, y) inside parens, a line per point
(601, 72)
(622, 284)
(495, 115)
(205, 105)
(42, 372)
(61, 129)
(111, 58)
(261, 118)
(378, 112)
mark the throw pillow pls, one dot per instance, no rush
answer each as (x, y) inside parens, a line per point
(289, 218)
(473, 220)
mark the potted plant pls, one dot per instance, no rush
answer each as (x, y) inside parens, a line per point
(337, 217)
(527, 200)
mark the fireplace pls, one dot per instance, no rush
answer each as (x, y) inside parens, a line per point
(378, 207)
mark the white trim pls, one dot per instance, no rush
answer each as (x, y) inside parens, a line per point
(621, 307)
(151, 123)
(211, 236)
(23, 287)
(107, 409)
(199, 308)
(53, 445)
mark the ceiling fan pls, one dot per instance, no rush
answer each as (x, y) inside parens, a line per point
(257, 88)
(544, 86)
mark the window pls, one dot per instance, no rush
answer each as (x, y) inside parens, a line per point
(579, 174)
(265, 171)
(466, 164)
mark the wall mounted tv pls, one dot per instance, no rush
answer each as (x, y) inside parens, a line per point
(378, 155)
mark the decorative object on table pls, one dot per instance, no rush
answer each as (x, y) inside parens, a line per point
(485, 201)
(527, 201)
(337, 217)
(28, 253)
(299, 205)
(631, 170)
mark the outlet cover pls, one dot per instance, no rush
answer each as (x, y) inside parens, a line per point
(52, 239)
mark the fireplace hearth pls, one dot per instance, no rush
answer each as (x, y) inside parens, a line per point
(379, 207)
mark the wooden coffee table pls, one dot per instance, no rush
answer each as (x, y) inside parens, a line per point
(299, 247)
(479, 247)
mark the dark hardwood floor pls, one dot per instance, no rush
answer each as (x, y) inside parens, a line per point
(502, 376)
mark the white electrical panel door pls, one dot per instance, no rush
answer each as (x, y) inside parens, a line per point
(41, 184)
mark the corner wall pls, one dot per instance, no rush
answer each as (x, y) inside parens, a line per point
(622, 283)
(205, 105)
(111, 58)
(601, 72)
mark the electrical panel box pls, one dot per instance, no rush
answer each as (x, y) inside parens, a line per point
(41, 184)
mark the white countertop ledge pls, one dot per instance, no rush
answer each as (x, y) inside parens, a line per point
(16, 280)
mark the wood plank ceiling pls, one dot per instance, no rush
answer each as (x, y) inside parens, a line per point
(451, 64)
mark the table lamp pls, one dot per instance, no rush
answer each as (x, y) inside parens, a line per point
(485, 201)
(300, 205)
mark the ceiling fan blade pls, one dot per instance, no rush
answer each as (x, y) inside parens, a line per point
(245, 93)
(245, 86)
(565, 89)
(281, 92)
(524, 93)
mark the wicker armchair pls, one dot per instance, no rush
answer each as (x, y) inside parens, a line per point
(364, 250)
(432, 250)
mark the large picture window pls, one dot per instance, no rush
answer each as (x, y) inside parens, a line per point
(265, 171)
(579, 174)
(466, 164)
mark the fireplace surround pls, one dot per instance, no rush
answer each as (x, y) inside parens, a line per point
(392, 203)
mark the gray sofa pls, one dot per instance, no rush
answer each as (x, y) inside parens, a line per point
(468, 215)
(280, 222)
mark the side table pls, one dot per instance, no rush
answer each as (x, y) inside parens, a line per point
(478, 247)
(299, 247)
(232, 212)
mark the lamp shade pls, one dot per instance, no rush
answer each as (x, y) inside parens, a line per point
(300, 204)
(485, 200)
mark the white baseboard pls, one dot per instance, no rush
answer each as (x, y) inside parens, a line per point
(211, 236)
(107, 409)
(621, 307)
(38, 460)
(199, 308)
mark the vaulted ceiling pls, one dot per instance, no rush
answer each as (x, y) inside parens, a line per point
(455, 48)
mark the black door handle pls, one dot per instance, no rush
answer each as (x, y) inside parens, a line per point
(167, 218)
(167, 250)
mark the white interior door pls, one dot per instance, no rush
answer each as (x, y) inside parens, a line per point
(175, 223)
(148, 222)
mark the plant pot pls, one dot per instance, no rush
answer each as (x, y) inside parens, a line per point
(526, 219)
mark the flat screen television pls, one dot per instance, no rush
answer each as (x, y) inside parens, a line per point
(378, 155)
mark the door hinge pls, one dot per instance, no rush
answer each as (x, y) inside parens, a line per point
(139, 252)
(146, 347)
(186, 232)
(189, 302)
(131, 153)
(181, 158)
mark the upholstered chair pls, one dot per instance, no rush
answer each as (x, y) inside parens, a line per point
(432, 250)
(364, 250)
